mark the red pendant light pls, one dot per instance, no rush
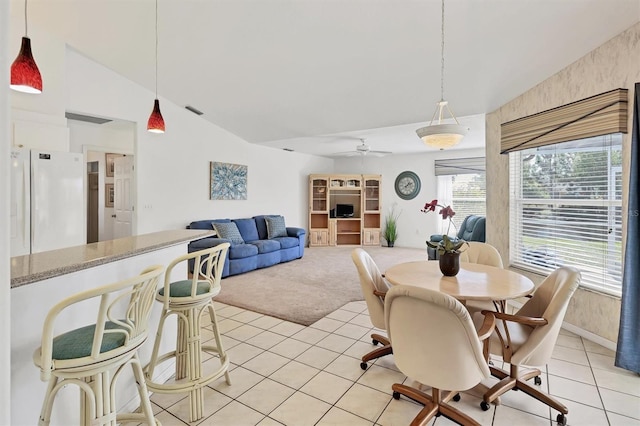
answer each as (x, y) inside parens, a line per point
(156, 122)
(25, 75)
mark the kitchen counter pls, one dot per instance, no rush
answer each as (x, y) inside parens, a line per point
(40, 266)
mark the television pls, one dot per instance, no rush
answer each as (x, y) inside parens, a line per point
(344, 210)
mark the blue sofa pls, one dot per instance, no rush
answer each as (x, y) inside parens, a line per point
(257, 251)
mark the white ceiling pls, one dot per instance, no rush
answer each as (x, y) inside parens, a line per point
(315, 75)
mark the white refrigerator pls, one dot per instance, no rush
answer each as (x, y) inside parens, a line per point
(47, 201)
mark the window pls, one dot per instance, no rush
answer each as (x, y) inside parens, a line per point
(462, 185)
(566, 209)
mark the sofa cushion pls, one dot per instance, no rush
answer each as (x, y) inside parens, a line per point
(287, 242)
(266, 246)
(229, 231)
(275, 227)
(206, 224)
(261, 224)
(247, 228)
(240, 251)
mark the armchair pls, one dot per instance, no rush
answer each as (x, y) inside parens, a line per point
(472, 229)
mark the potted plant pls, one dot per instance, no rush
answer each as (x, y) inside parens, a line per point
(390, 233)
(448, 249)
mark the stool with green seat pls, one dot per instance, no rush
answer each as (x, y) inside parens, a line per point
(188, 300)
(94, 356)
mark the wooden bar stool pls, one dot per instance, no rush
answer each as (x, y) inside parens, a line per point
(188, 300)
(94, 356)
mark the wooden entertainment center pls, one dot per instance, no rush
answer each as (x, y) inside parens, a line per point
(344, 210)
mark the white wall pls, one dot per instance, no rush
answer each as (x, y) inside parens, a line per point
(414, 227)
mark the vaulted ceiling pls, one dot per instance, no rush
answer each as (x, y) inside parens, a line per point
(315, 75)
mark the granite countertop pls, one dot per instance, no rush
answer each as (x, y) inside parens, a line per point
(40, 266)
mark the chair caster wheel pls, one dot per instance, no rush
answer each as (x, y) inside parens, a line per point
(363, 365)
(375, 342)
(456, 397)
(562, 419)
(537, 380)
(396, 395)
(484, 406)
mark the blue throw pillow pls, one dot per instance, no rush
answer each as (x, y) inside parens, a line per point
(275, 227)
(228, 231)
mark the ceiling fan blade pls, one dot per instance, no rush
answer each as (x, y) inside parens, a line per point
(379, 153)
(346, 154)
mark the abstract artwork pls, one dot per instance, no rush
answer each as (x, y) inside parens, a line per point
(228, 181)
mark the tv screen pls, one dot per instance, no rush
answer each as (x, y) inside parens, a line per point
(344, 210)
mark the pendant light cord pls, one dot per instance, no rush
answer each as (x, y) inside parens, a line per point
(442, 56)
(156, 49)
(25, 19)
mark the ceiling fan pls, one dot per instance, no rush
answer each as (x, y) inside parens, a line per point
(362, 150)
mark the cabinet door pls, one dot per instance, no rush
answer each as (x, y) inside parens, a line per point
(371, 237)
(318, 237)
(319, 193)
(333, 234)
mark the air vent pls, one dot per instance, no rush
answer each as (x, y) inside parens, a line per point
(86, 118)
(287, 149)
(194, 110)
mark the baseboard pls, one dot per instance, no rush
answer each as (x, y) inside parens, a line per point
(166, 374)
(579, 331)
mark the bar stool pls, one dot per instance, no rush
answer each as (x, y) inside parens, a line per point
(188, 300)
(88, 356)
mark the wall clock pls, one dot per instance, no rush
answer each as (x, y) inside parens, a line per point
(407, 185)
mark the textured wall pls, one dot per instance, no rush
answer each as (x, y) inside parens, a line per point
(613, 65)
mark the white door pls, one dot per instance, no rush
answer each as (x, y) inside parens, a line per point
(123, 196)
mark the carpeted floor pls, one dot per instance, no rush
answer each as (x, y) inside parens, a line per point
(307, 289)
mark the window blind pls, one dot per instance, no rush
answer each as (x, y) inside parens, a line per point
(598, 115)
(566, 209)
(456, 166)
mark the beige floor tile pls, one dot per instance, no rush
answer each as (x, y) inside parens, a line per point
(575, 391)
(166, 400)
(226, 325)
(234, 414)
(342, 315)
(618, 420)
(353, 331)
(317, 357)
(606, 362)
(571, 355)
(387, 361)
(300, 410)
(336, 343)
(507, 416)
(244, 332)
(364, 401)
(470, 405)
(266, 339)
(327, 324)
(294, 374)
(266, 396)
(287, 328)
(621, 403)
(241, 381)
(242, 353)
(568, 342)
(338, 417)
(266, 322)
(228, 342)
(229, 311)
(362, 320)
(247, 316)
(569, 370)
(618, 382)
(381, 378)
(399, 412)
(219, 305)
(267, 421)
(358, 349)
(580, 414)
(345, 367)
(168, 419)
(290, 348)
(310, 335)
(266, 363)
(596, 348)
(326, 387)
(523, 402)
(565, 332)
(213, 401)
(357, 307)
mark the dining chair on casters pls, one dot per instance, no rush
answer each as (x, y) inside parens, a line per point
(482, 254)
(188, 300)
(435, 343)
(529, 336)
(374, 288)
(94, 356)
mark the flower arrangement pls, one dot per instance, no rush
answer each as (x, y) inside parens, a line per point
(447, 244)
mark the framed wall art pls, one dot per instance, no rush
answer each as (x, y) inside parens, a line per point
(227, 181)
(109, 195)
(110, 167)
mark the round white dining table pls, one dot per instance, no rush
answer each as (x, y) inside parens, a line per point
(473, 282)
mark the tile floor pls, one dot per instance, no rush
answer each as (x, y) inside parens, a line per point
(287, 374)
